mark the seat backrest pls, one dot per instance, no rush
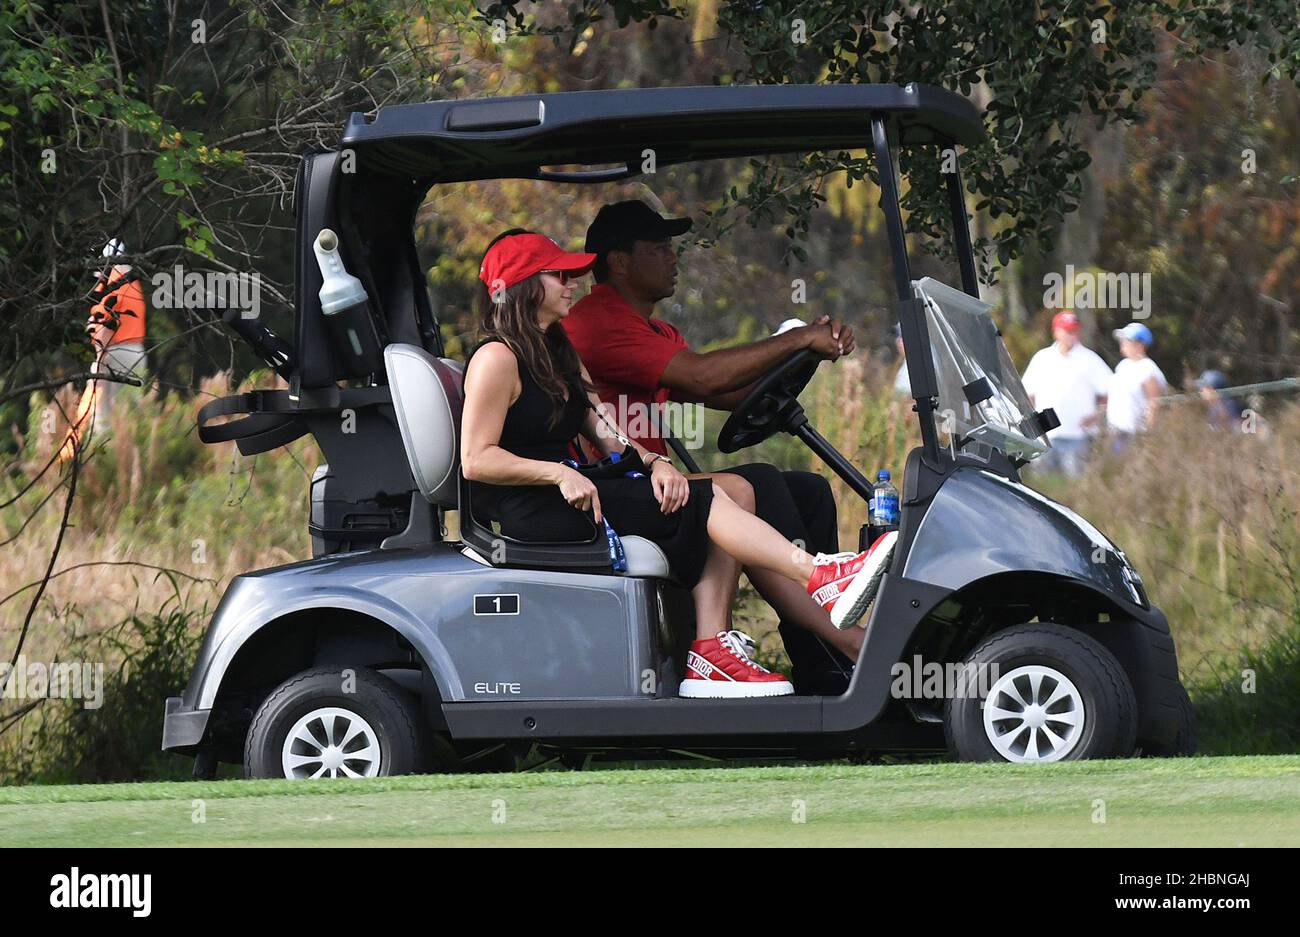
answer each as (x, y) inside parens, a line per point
(427, 397)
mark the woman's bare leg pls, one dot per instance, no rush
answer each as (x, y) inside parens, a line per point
(754, 542)
(796, 606)
(715, 593)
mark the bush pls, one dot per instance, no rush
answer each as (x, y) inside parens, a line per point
(146, 658)
(1264, 721)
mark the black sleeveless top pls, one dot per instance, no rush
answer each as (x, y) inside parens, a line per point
(527, 431)
(540, 512)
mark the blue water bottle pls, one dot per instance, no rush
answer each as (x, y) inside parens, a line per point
(884, 512)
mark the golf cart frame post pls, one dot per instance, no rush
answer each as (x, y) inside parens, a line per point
(916, 335)
(373, 528)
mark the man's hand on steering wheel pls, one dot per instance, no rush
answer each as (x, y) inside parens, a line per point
(829, 338)
(772, 403)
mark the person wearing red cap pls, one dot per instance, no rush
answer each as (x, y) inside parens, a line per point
(641, 363)
(1073, 381)
(527, 396)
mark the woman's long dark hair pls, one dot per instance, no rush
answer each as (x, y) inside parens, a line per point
(549, 356)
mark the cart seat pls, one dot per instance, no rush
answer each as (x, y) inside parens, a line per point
(427, 397)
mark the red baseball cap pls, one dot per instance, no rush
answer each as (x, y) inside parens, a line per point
(1065, 320)
(517, 257)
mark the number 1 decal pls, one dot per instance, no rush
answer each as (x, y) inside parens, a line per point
(497, 604)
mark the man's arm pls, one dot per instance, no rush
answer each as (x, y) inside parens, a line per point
(1152, 388)
(716, 377)
(728, 401)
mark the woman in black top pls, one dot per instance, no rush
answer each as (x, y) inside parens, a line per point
(532, 512)
(527, 396)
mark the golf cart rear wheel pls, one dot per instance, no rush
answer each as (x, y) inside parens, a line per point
(1051, 693)
(334, 723)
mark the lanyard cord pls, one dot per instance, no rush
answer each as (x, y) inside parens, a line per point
(618, 433)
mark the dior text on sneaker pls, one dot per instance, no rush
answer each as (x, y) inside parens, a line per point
(720, 668)
(845, 583)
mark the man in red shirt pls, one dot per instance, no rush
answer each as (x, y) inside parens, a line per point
(639, 363)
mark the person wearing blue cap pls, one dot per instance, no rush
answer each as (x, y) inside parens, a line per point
(1223, 413)
(1135, 387)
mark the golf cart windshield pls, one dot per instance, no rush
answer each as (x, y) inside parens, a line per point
(981, 399)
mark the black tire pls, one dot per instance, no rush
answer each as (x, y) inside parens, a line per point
(1104, 694)
(1185, 742)
(391, 714)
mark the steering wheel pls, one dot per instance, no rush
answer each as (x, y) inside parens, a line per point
(772, 405)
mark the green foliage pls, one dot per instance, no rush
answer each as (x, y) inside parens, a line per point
(580, 16)
(124, 120)
(1201, 200)
(146, 658)
(76, 102)
(1261, 717)
(1038, 71)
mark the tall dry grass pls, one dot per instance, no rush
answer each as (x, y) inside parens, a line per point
(1209, 519)
(150, 497)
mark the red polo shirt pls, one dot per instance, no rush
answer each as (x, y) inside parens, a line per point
(625, 354)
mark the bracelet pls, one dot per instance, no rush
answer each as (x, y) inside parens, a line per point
(656, 457)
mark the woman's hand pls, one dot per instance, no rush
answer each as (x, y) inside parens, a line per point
(670, 486)
(579, 490)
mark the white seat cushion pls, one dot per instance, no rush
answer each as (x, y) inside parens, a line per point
(644, 558)
(427, 397)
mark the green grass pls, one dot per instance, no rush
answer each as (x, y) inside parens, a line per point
(1252, 801)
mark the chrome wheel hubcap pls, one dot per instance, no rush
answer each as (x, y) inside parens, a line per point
(1034, 714)
(329, 743)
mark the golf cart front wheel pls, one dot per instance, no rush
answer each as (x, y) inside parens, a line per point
(336, 723)
(1042, 693)
(1184, 744)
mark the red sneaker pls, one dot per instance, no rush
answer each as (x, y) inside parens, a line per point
(720, 668)
(845, 583)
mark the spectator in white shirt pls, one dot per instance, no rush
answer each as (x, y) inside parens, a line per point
(1135, 388)
(1073, 381)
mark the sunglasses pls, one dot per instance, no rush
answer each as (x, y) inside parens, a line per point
(562, 274)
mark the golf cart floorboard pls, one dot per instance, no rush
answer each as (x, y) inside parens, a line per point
(648, 718)
(784, 724)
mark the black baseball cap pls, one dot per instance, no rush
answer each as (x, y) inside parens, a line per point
(632, 220)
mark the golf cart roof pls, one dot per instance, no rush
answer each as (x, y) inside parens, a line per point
(516, 137)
